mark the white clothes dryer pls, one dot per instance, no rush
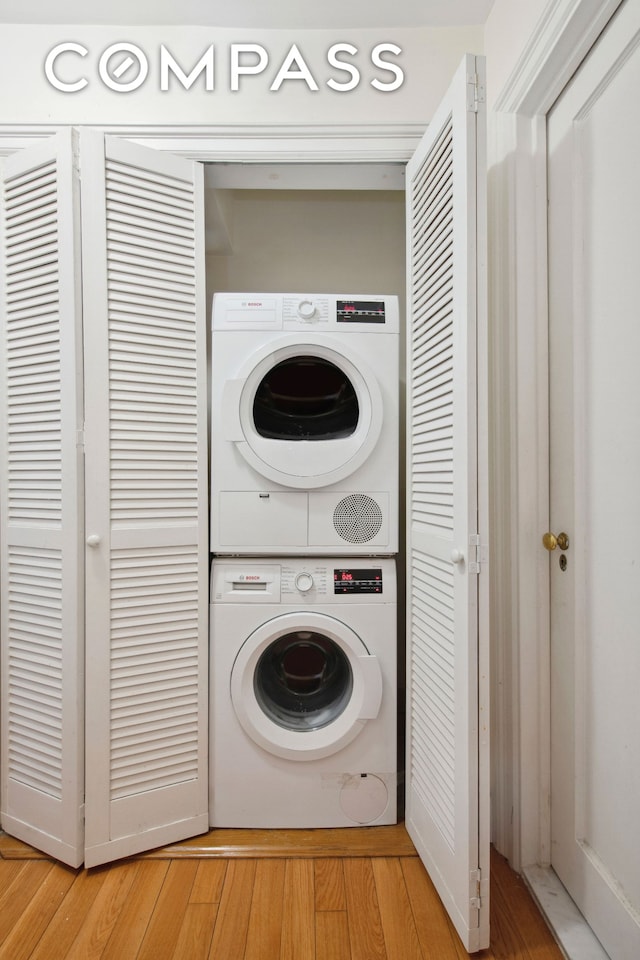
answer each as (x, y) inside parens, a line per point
(304, 424)
(303, 692)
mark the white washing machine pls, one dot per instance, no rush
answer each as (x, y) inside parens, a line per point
(303, 692)
(304, 424)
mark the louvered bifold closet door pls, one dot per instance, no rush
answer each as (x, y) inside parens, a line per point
(447, 755)
(146, 487)
(41, 502)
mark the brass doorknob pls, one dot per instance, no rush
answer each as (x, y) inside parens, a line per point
(550, 541)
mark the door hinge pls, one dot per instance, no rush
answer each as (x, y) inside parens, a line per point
(79, 438)
(475, 899)
(475, 92)
(478, 554)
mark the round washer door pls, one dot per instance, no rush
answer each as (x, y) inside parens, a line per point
(309, 415)
(303, 685)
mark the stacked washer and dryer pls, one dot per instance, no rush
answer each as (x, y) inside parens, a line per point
(304, 529)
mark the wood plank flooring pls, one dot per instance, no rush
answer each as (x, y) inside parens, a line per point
(241, 895)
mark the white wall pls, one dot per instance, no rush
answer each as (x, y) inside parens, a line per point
(429, 58)
(508, 30)
(319, 240)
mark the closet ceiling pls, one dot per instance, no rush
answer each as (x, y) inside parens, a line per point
(277, 14)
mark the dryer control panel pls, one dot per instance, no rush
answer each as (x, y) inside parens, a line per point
(375, 313)
(361, 311)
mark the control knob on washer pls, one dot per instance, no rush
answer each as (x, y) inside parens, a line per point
(306, 310)
(303, 581)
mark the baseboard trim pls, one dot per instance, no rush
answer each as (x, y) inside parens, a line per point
(388, 841)
(572, 932)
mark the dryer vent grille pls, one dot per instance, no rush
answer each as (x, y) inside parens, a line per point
(357, 518)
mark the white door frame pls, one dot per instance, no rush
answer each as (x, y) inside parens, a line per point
(252, 143)
(519, 511)
(518, 357)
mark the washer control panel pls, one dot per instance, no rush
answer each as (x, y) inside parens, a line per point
(302, 580)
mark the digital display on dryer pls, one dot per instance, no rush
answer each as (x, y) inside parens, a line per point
(357, 580)
(360, 311)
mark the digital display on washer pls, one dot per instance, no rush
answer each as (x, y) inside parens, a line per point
(360, 311)
(357, 580)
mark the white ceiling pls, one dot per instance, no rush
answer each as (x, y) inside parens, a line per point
(259, 14)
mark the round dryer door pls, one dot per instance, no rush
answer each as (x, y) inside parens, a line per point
(308, 414)
(303, 686)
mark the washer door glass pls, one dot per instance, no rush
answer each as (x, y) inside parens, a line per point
(305, 398)
(303, 685)
(303, 681)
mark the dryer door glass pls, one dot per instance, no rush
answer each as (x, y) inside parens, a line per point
(305, 398)
(303, 681)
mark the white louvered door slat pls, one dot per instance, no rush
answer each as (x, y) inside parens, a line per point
(447, 637)
(41, 502)
(147, 597)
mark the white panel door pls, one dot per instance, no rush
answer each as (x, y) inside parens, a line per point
(146, 497)
(447, 636)
(42, 577)
(594, 342)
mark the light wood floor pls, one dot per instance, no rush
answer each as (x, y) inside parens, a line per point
(254, 895)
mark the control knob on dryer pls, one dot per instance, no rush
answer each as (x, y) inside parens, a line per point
(303, 581)
(306, 310)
